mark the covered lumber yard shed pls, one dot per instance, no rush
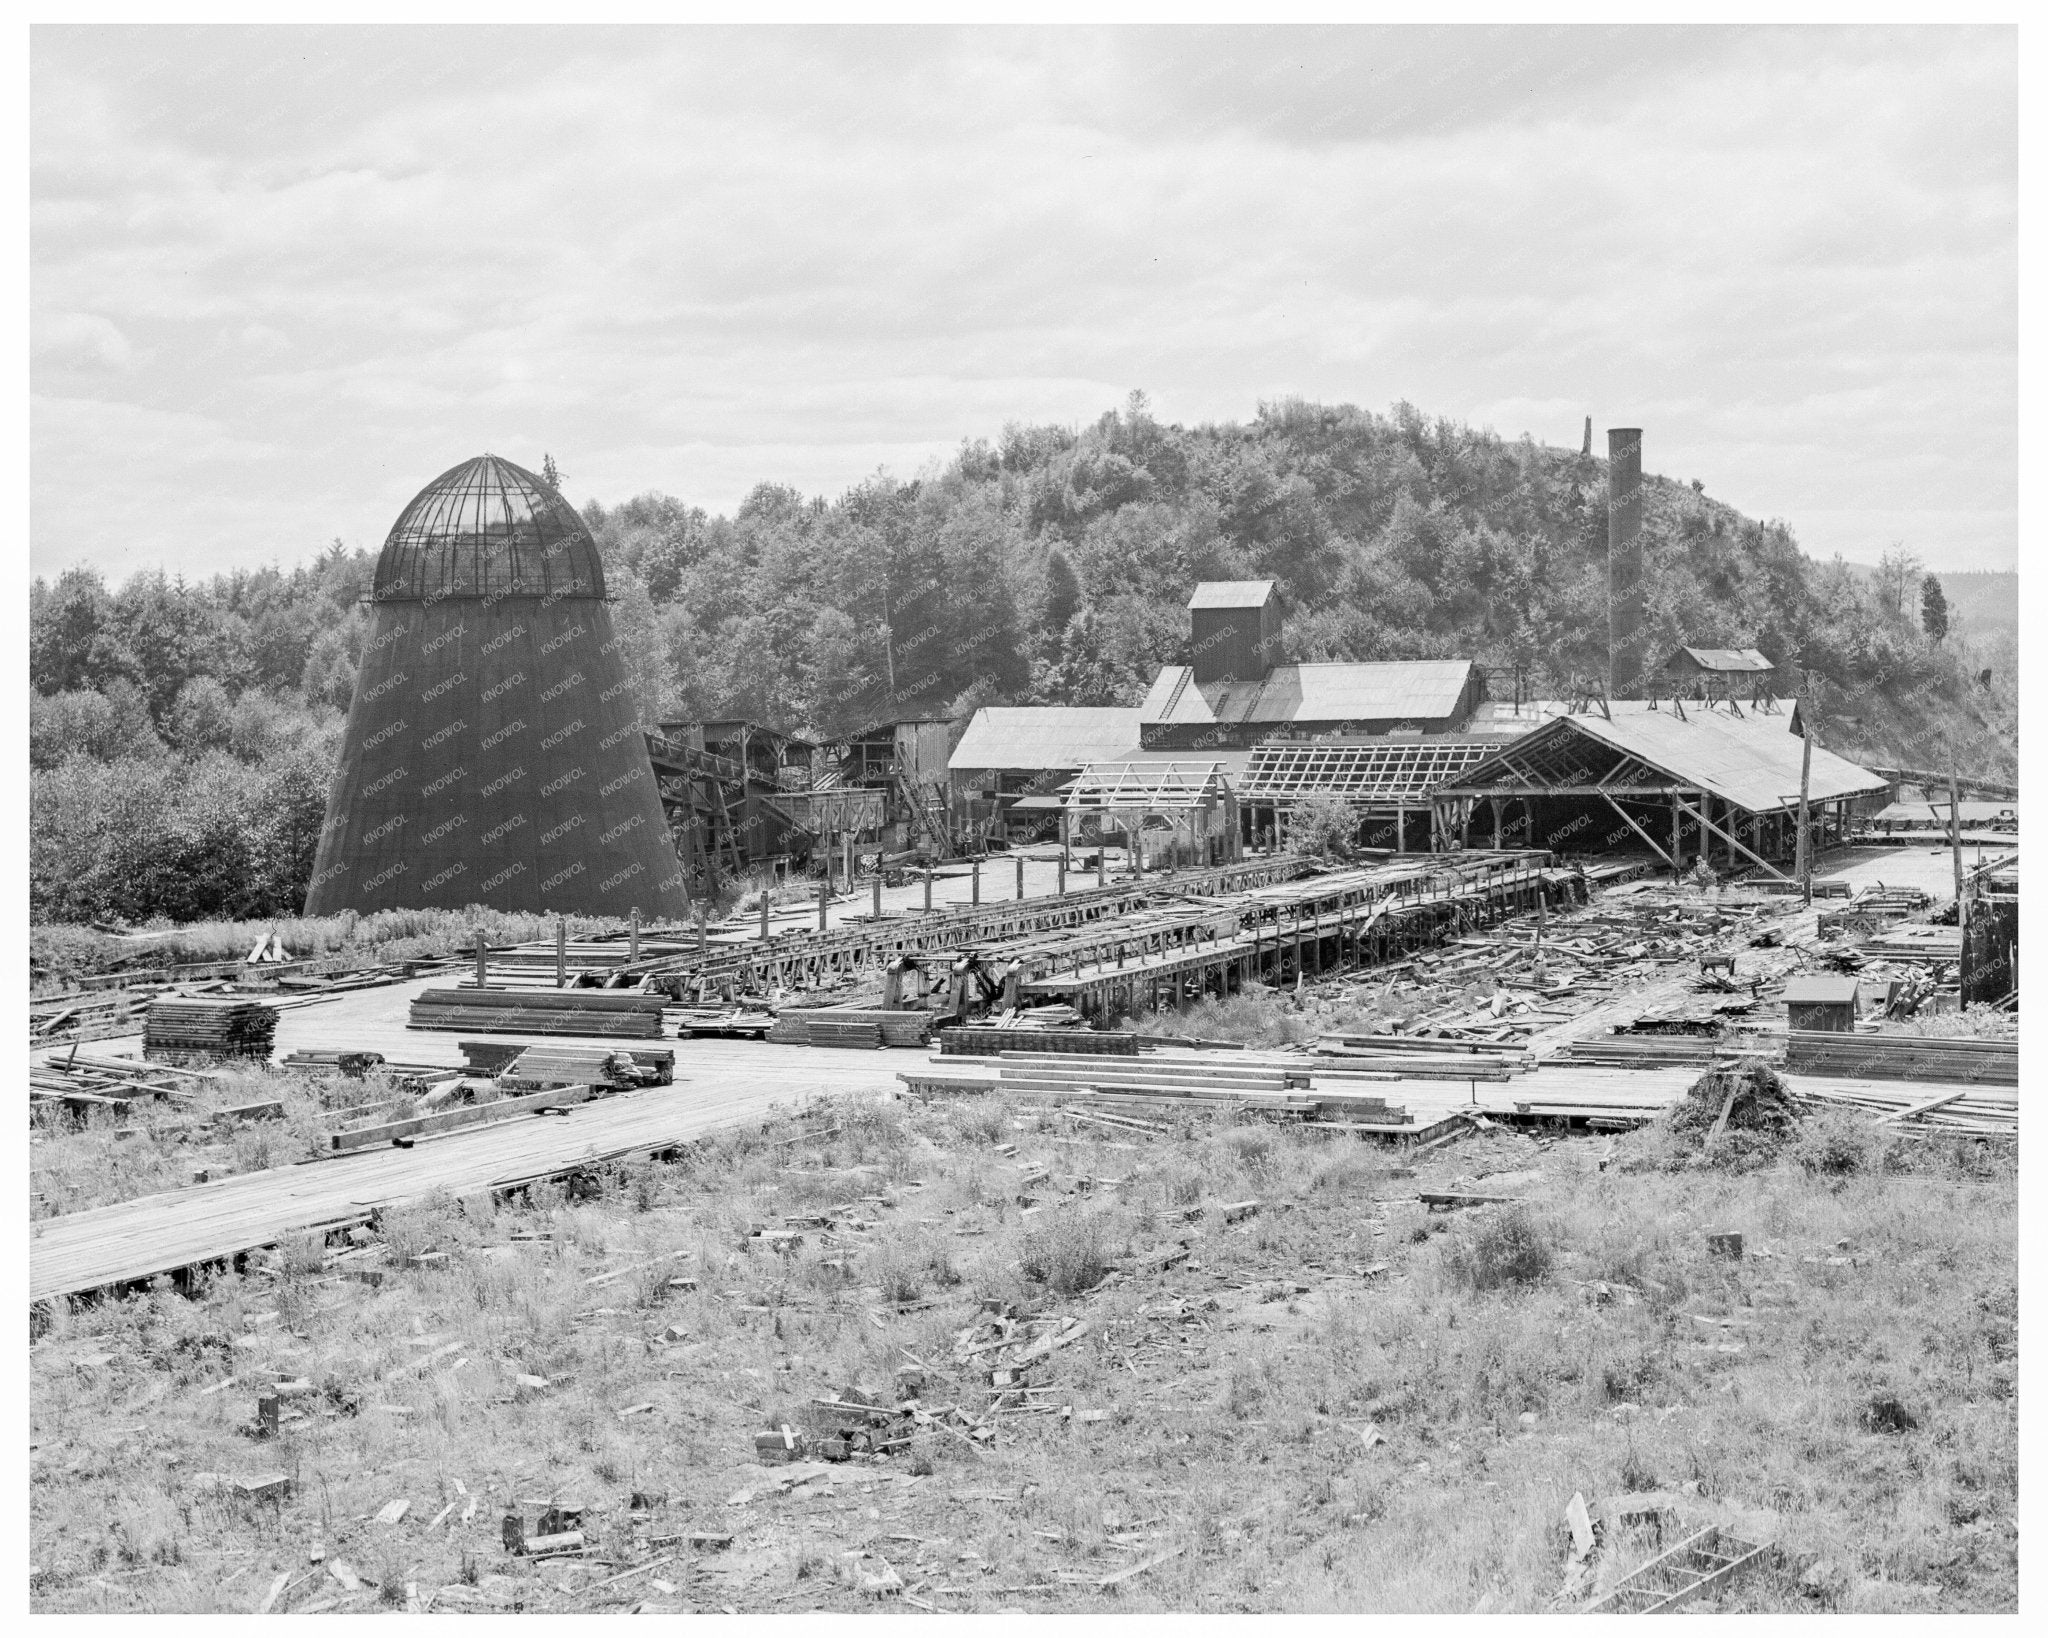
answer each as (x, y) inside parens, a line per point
(1673, 782)
(1169, 811)
(1014, 759)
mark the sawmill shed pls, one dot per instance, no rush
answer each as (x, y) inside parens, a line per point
(902, 757)
(1718, 673)
(1239, 691)
(1671, 781)
(1821, 1001)
(493, 754)
(733, 794)
(1012, 754)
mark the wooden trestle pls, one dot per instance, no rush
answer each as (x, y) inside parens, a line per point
(1345, 919)
(1128, 947)
(807, 959)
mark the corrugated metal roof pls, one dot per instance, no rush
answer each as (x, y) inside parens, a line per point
(1729, 659)
(1373, 691)
(1751, 760)
(1231, 594)
(1045, 736)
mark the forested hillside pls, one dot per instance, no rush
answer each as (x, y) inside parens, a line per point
(181, 732)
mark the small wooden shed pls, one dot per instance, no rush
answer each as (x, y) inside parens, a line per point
(1821, 1001)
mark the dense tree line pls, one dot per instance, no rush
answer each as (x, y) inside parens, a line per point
(1051, 566)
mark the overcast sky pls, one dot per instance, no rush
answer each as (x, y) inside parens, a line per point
(283, 277)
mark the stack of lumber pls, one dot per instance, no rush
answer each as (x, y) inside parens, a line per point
(626, 1014)
(1902, 1057)
(724, 1021)
(1399, 1045)
(851, 1027)
(1918, 943)
(1641, 1051)
(1963, 1113)
(1419, 1060)
(540, 1068)
(981, 1040)
(208, 1026)
(1059, 1076)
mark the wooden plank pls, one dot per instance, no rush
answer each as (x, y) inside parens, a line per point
(1909, 1112)
(370, 1137)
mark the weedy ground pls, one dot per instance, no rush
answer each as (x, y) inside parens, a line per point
(1337, 1402)
(151, 1145)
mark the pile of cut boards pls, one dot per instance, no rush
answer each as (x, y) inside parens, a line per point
(1961, 1113)
(541, 1068)
(850, 1027)
(626, 1014)
(1902, 1057)
(1641, 1051)
(194, 1026)
(1162, 1082)
(81, 1016)
(985, 1040)
(81, 1081)
(1917, 942)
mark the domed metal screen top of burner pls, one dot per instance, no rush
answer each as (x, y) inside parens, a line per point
(487, 528)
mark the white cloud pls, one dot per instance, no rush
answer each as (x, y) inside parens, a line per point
(702, 259)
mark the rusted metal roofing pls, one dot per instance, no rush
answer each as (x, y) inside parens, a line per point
(1750, 758)
(1045, 736)
(1374, 691)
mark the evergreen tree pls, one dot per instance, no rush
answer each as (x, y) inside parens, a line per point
(1933, 609)
(1062, 598)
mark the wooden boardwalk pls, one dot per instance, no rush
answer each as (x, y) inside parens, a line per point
(720, 1084)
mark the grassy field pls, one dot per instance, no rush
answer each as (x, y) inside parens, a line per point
(1337, 1401)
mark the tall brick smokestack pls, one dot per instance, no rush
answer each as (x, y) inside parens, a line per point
(1624, 562)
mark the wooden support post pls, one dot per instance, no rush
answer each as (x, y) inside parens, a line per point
(1495, 803)
(878, 896)
(1677, 843)
(976, 898)
(765, 935)
(480, 980)
(846, 838)
(633, 945)
(561, 952)
(1955, 836)
(1020, 878)
(1063, 875)
(927, 889)
(824, 899)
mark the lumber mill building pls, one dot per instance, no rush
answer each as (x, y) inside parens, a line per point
(1678, 781)
(492, 754)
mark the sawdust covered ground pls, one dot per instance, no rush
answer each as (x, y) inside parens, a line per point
(1334, 1400)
